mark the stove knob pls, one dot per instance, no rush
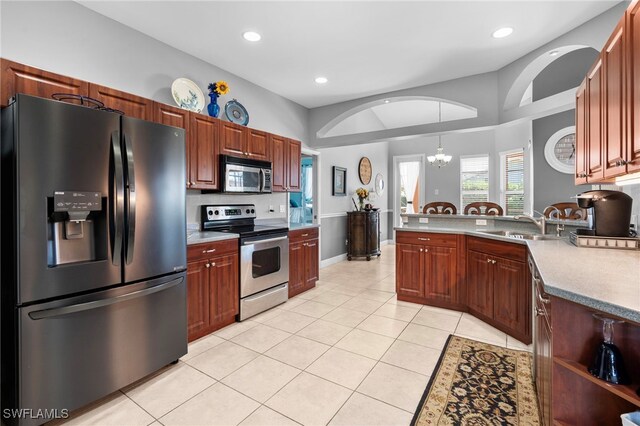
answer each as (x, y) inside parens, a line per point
(253, 211)
(248, 211)
(217, 212)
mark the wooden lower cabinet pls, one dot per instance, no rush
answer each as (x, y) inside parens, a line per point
(212, 287)
(479, 283)
(543, 355)
(427, 269)
(304, 264)
(499, 286)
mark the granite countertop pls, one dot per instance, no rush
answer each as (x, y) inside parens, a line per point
(198, 237)
(479, 232)
(496, 218)
(294, 226)
(604, 279)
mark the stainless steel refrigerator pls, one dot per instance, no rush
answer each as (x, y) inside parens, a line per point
(93, 254)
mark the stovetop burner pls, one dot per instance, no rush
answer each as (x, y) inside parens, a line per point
(236, 219)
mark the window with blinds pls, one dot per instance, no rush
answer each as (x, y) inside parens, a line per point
(474, 179)
(512, 182)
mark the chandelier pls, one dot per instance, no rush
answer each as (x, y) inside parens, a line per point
(440, 159)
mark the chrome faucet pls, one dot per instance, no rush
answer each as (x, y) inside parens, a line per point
(541, 222)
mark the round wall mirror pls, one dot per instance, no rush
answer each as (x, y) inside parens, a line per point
(560, 150)
(379, 184)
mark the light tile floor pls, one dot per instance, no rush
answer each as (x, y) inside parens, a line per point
(345, 353)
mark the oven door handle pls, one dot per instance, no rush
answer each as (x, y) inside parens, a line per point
(269, 240)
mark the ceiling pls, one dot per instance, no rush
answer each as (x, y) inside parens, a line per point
(362, 47)
(400, 113)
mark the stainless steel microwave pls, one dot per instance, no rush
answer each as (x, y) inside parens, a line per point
(242, 175)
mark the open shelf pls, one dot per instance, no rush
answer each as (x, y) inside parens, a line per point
(627, 392)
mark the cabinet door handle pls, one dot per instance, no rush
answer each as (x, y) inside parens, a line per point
(493, 262)
(540, 312)
(424, 239)
(305, 235)
(421, 250)
(213, 263)
(488, 260)
(207, 265)
(208, 251)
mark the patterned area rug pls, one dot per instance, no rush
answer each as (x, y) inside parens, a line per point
(478, 384)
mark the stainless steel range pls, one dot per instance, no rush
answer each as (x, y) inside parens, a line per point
(264, 256)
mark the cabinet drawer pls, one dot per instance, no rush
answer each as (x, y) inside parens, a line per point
(503, 249)
(303, 234)
(426, 238)
(207, 250)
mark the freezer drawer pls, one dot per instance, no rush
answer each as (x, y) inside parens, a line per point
(77, 350)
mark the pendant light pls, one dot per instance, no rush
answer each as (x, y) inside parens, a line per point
(440, 159)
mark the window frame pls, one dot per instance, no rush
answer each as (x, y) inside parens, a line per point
(503, 175)
(462, 192)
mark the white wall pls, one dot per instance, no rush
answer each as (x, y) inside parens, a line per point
(446, 179)
(333, 215)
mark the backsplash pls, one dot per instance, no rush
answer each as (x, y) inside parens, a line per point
(262, 201)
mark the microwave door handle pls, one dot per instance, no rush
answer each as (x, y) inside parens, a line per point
(130, 201)
(263, 180)
(116, 196)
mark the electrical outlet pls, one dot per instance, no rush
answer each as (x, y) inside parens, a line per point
(346, 242)
(436, 192)
(271, 210)
(424, 220)
(481, 222)
(405, 219)
(282, 208)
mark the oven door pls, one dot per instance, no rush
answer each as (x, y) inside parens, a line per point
(238, 178)
(264, 263)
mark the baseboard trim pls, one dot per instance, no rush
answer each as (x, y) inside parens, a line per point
(385, 242)
(333, 260)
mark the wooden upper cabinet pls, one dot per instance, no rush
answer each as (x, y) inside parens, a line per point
(233, 139)
(294, 167)
(258, 145)
(595, 169)
(131, 105)
(278, 163)
(203, 152)
(615, 140)
(582, 134)
(176, 117)
(633, 89)
(18, 78)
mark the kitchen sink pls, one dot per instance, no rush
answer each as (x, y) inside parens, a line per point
(520, 235)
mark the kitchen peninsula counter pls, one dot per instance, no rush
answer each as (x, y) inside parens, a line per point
(604, 279)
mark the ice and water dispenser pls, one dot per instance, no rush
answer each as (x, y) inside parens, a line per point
(74, 233)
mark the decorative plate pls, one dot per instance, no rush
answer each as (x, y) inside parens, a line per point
(236, 113)
(187, 95)
(364, 170)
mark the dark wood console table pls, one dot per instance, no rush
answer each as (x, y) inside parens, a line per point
(363, 234)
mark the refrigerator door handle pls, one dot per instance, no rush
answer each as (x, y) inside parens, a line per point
(79, 307)
(131, 200)
(116, 195)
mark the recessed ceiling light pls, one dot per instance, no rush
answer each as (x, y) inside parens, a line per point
(502, 32)
(554, 53)
(251, 36)
(386, 101)
(321, 80)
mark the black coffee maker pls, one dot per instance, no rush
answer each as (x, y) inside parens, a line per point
(610, 214)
